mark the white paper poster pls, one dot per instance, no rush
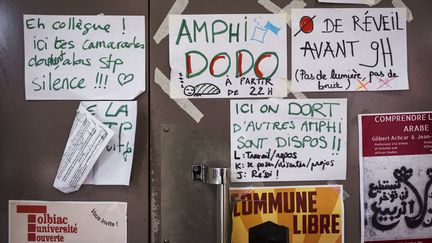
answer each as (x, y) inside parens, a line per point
(69, 222)
(396, 177)
(84, 57)
(349, 49)
(115, 163)
(288, 140)
(87, 139)
(219, 56)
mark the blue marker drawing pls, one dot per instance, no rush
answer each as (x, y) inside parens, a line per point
(259, 34)
(261, 31)
(272, 28)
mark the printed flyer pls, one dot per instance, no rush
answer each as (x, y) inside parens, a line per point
(305, 214)
(71, 222)
(396, 176)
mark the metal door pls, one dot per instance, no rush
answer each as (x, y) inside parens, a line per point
(183, 210)
(33, 133)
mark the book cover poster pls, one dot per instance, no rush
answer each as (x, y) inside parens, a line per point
(396, 176)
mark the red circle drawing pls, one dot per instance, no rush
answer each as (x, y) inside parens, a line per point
(306, 24)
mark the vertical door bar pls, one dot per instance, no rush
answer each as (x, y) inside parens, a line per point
(223, 209)
(219, 177)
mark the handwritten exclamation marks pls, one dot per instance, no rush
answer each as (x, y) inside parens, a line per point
(124, 26)
(101, 81)
(336, 144)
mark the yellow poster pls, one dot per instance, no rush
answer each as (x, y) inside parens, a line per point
(307, 214)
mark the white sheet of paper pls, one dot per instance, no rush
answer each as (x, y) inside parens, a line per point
(84, 57)
(362, 49)
(219, 56)
(68, 222)
(288, 140)
(87, 139)
(115, 163)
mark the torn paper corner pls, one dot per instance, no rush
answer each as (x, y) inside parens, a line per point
(87, 139)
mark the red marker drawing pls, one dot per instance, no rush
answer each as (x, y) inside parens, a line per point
(306, 25)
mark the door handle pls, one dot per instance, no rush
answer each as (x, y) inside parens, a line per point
(220, 178)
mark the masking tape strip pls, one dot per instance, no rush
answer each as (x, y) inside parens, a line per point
(270, 6)
(178, 7)
(371, 2)
(345, 194)
(298, 95)
(185, 104)
(291, 5)
(294, 4)
(400, 4)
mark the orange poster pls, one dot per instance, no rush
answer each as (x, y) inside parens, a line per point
(306, 214)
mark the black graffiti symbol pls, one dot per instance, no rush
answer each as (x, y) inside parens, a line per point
(403, 175)
(426, 197)
(386, 218)
(380, 215)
